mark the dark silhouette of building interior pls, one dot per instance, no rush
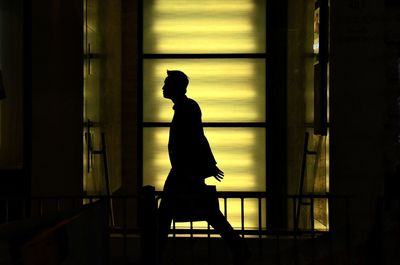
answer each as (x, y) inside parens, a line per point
(72, 131)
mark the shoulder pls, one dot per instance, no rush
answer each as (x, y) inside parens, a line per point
(192, 107)
(190, 103)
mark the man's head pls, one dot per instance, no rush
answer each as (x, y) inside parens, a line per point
(175, 84)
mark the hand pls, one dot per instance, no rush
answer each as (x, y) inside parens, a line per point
(219, 174)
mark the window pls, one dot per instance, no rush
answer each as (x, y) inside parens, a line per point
(221, 46)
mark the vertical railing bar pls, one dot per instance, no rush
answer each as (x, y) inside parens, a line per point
(295, 229)
(259, 226)
(242, 214)
(208, 243)
(347, 232)
(278, 249)
(312, 215)
(330, 243)
(124, 227)
(225, 214)
(58, 205)
(191, 242)
(23, 208)
(259, 218)
(265, 210)
(75, 202)
(173, 229)
(312, 230)
(7, 210)
(40, 207)
(108, 234)
(330, 238)
(225, 206)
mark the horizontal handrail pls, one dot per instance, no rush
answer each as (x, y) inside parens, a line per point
(75, 197)
(220, 194)
(260, 194)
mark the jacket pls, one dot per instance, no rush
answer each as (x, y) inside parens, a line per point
(189, 151)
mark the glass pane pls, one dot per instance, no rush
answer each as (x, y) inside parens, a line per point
(207, 26)
(228, 90)
(240, 153)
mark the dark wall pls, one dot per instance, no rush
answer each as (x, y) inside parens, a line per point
(111, 101)
(57, 97)
(11, 66)
(130, 144)
(357, 110)
(12, 177)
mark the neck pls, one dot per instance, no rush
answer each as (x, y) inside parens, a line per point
(178, 99)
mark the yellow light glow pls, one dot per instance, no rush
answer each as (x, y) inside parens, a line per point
(176, 26)
(200, 46)
(191, 26)
(235, 153)
(222, 93)
(226, 89)
(242, 138)
(240, 113)
(232, 162)
(236, 69)
(239, 154)
(162, 6)
(234, 215)
(242, 181)
(231, 93)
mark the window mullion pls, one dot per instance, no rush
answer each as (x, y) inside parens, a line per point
(213, 124)
(204, 56)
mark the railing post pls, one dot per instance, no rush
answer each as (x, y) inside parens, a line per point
(260, 244)
(347, 232)
(295, 231)
(149, 226)
(242, 214)
(124, 226)
(312, 231)
(7, 214)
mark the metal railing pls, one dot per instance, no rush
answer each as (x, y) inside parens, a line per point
(127, 209)
(260, 197)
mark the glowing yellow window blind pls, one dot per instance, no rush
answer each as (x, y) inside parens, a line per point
(240, 153)
(206, 26)
(228, 90)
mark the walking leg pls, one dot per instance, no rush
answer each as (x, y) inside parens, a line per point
(239, 248)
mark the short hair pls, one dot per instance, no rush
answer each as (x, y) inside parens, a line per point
(179, 79)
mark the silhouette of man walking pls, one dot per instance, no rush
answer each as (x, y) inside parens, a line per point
(192, 162)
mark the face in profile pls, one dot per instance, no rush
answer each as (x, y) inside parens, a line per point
(168, 88)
